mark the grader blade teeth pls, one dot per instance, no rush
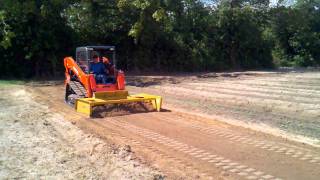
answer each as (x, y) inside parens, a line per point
(85, 105)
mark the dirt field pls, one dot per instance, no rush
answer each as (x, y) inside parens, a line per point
(214, 126)
(36, 143)
(285, 104)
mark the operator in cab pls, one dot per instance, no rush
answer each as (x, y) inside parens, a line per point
(99, 70)
(109, 66)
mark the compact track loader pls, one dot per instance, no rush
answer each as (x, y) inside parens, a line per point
(84, 90)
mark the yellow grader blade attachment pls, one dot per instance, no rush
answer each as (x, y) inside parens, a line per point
(85, 105)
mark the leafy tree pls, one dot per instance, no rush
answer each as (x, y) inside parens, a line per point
(160, 35)
(37, 37)
(297, 34)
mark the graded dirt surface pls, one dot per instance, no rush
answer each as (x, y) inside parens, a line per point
(213, 126)
(285, 104)
(36, 143)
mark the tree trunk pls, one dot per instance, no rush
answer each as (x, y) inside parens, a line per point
(234, 56)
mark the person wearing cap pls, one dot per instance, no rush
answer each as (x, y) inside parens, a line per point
(109, 66)
(99, 70)
(111, 71)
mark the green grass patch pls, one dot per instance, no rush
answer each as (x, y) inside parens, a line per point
(10, 82)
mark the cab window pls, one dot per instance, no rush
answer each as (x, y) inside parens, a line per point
(82, 61)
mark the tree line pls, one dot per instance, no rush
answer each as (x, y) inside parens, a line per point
(160, 35)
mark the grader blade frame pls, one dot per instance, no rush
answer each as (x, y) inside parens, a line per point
(86, 105)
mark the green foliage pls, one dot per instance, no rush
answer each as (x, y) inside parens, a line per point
(35, 37)
(241, 36)
(297, 32)
(6, 32)
(5, 83)
(159, 35)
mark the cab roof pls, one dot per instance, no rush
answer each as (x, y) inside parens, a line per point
(96, 47)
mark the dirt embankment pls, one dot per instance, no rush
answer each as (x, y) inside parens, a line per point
(36, 143)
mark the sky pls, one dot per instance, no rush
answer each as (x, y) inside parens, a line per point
(272, 2)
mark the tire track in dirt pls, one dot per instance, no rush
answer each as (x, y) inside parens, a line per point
(120, 138)
(289, 100)
(289, 150)
(213, 144)
(267, 84)
(235, 102)
(232, 87)
(263, 96)
(238, 96)
(136, 143)
(237, 168)
(115, 134)
(129, 133)
(237, 105)
(53, 148)
(241, 108)
(169, 157)
(285, 78)
(309, 128)
(295, 107)
(291, 81)
(303, 74)
(275, 88)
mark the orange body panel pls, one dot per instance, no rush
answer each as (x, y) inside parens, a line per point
(89, 81)
(120, 80)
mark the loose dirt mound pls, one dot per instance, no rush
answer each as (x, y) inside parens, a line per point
(121, 109)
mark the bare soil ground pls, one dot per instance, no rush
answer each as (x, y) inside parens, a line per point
(284, 104)
(214, 126)
(36, 143)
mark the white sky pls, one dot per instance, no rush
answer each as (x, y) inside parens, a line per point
(272, 2)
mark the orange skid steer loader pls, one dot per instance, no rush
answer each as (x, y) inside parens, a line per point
(86, 89)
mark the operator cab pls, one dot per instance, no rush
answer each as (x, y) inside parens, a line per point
(84, 57)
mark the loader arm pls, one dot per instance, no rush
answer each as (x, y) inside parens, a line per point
(72, 68)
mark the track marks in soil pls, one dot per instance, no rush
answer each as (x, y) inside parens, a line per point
(290, 97)
(191, 171)
(239, 96)
(288, 150)
(222, 163)
(289, 102)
